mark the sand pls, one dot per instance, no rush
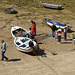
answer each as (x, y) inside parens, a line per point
(63, 63)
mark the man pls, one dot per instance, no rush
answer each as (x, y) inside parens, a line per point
(59, 33)
(33, 27)
(30, 34)
(53, 30)
(3, 50)
(65, 32)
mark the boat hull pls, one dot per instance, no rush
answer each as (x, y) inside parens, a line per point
(53, 6)
(15, 31)
(73, 41)
(22, 44)
(57, 24)
(10, 11)
(73, 37)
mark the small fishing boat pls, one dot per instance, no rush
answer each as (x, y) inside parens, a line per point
(15, 31)
(57, 24)
(48, 5)
(25, 44)
(10, 11)
(73, 38)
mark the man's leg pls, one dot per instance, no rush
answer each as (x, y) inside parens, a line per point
(2, 55)
(5, 57)
(64, 36)
(54, 34)
(60, 39)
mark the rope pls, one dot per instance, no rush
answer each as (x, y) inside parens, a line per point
(8, 22)
(47, 65)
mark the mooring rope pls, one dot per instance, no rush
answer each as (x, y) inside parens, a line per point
(47, 65)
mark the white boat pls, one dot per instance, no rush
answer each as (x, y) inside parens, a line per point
(25, 44)
(57, 24)
(15, 31)
(48, 5)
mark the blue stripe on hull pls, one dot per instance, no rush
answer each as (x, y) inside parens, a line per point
(73, 42)
(7, 12)
(56, 23)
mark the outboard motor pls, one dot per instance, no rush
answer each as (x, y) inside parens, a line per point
(31, 44)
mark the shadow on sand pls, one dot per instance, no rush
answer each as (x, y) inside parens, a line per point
(14, 60)
(54, 8)
(40, 43)
(71, 31)
(14, 12)
(66, 42)
(39, 34)
(73, 50)
(69, 39)
(38, 52)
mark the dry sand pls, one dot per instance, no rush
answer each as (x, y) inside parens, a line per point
(25, 64)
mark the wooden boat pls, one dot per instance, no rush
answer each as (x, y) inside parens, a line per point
(57, 24)
(73, 41)
(10, 11)
(48, 5)
(15, 31)
(25, 44)
(73, 37)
